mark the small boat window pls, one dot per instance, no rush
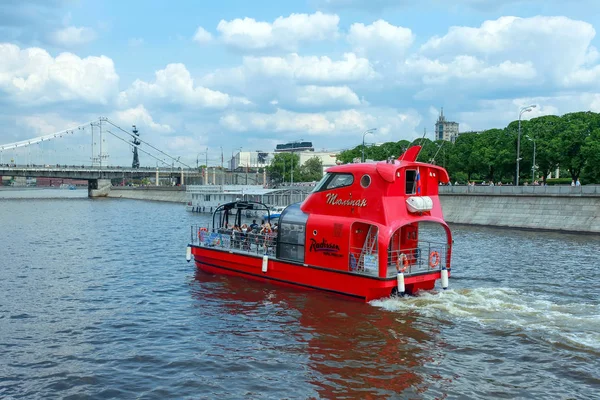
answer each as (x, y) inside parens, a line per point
(365, 181)
(334, 181)
(410, 181)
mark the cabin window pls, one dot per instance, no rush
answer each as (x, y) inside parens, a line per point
(333, 181)
(365, 181)
(410, 181)
(207, 197)
(292, 234)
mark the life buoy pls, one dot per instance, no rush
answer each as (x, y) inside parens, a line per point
(404, 260)
(200, 232)
(434, 259)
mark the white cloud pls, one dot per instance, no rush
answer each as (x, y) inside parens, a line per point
(32, 76)
(595, 103)
(175, 85)
(73, 36)
(141, 117)
(312, 95)
(45, 124)
(555, 46)
(202, 36)
(466, 68)
(380, 39)
(391, 124)
(284, 32)
(294, 68)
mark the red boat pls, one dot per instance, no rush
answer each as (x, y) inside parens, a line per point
(367, 230)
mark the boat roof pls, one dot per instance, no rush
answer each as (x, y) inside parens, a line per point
(387, 169)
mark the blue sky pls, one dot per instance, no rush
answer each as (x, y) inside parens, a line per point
(195, 74)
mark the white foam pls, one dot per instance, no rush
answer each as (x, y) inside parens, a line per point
(573, 324)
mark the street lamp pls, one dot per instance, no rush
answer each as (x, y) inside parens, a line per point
(532, 165)
(205, 165)
(292, 170)
(362, 158)
(523, 110)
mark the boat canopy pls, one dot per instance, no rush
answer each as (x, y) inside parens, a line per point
(236, 207)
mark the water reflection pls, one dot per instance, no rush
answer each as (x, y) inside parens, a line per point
(353, 350)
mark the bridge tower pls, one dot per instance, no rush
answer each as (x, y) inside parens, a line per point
(136, 142)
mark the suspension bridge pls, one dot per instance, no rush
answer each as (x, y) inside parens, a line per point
(82, 153)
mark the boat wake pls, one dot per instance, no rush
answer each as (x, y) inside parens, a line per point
(572, 325)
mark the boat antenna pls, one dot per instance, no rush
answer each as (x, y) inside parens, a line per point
(423, 138)
(436, 153)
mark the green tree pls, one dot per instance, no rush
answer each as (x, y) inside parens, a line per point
(591, 152)
(311, 170)
(577, 127)
(544, 130)
(462, 156)
(281, 167)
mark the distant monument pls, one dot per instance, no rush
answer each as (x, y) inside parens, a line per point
(136, 142)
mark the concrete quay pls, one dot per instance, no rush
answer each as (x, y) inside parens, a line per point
(172, 194)
(555, 208)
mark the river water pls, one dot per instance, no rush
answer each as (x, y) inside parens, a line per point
(97, 301)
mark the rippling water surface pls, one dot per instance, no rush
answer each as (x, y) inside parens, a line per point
(97, 300)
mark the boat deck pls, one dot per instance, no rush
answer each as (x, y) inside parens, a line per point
(259, 244)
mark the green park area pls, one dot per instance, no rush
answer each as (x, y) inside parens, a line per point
(570, 143)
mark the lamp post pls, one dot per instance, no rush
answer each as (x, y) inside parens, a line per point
(362, 158)
(523, 110)
(205, 165)
(532, 165)
(292, 161)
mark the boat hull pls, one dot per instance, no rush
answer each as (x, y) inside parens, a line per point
(366, 288)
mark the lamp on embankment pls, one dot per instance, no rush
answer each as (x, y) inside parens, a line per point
(533, 164)
(521, 111)
(362, 158)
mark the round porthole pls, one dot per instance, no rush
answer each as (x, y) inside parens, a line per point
(365, 181)
(315, 232)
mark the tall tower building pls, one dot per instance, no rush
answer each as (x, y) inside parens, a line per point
(446, 130)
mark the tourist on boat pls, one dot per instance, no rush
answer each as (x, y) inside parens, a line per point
(236, 236)
(254, 225)
(266, 228)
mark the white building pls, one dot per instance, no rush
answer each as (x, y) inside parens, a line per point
(260, 159)
(446, 130)
(250, 159)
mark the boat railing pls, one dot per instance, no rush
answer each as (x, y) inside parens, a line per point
(252, 242)
(427, 257)
(363, 263)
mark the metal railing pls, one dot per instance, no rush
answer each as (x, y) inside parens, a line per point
(427, 257)
(362, 263)
(531, 190)
(252, 242)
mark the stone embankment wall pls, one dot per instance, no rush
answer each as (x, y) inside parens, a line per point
(558, 209)
(155, 193)
(538, 208)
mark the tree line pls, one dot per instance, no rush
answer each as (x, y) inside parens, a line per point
(285, 168)
(570, 142)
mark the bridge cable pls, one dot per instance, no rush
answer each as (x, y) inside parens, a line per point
(143, 141)
(151, 155)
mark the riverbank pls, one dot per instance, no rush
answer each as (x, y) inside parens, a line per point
(556, 208)
(171, 194)
(566, 214)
